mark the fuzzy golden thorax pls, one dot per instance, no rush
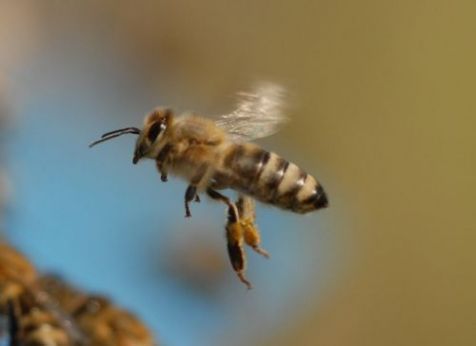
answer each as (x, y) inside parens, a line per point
(153, 135)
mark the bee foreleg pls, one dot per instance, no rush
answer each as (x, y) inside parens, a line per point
(162, 170)
(251, 234)
(162, 161)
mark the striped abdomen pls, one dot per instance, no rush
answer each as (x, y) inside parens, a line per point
(271, 179)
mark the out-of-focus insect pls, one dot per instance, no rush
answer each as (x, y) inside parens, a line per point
(30, 317)
(101, 322)
(33, 321)
(214, 155)
(44, 310)
(16, 273)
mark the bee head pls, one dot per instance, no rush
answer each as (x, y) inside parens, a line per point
(156, 124)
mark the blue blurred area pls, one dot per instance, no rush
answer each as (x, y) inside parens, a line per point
(107, 226)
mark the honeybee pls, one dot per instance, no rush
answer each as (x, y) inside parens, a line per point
(16, 273)
(213, 155)
(100, 321)
(44, 310)
(32, 322)
(30, 318)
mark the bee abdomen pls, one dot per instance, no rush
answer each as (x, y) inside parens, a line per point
(271, 179)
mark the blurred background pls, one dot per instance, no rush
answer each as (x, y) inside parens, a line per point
(383, 115)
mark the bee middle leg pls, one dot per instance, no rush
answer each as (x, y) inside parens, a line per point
(191, 192)
(234, 237)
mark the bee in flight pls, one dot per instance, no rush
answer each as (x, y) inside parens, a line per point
(213, 155)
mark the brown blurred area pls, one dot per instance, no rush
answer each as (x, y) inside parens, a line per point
(384, 107)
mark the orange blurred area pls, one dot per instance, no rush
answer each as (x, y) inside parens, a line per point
(382, 109)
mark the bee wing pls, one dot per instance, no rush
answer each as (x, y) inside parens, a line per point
(258, 114)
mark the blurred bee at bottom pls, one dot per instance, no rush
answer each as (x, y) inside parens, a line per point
(216, 155)
(16, 273)
(31, 320)
(102, 323)
(44, 310)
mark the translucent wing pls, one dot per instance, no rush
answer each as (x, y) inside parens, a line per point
(259, 113)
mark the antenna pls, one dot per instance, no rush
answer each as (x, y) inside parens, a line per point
(116, 133)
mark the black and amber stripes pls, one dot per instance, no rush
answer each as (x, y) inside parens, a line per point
(271, 179)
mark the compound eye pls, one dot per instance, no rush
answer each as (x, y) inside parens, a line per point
(154, 131)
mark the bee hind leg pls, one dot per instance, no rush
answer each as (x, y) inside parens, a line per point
(251, 234)
(234, 237)
(236, 253)
(252, 239)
